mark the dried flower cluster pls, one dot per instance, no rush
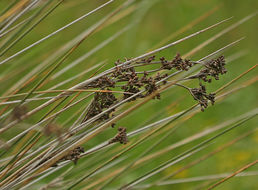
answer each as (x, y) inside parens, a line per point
(102, 83)
(132, 82)
(74, 155)
(202, 97)
(178, 63)
(101, 101)
(135, 82)
(120, 137)
(213, 68)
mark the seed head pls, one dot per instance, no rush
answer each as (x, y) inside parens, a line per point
(202, 97)
(120, 137)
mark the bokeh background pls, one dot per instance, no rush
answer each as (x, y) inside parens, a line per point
(152, 23)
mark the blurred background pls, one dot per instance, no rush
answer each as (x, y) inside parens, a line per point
(144, 26)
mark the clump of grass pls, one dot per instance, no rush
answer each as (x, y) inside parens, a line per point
(83, 136)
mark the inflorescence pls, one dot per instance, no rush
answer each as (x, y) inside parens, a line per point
(120, 137)
(74, 155)
(142, 84)
(213, 69)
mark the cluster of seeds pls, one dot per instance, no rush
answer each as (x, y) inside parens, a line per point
(131, 82)
(213, 68)
(143, 83)
(102, 82)
(120, 137)
(177, 63)
(74, 155)
(136, 83)
(101, 101)
(202, 97)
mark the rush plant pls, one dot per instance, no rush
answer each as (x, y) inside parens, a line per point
(95, 95)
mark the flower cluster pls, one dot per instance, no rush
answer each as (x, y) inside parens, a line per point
(73, 155)
(102, 83)
(200, 94)
(120, 137)
(135, 83)
(101, 101)
(178, 63)
(132, 82)
(129, 81)
(213, 68)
